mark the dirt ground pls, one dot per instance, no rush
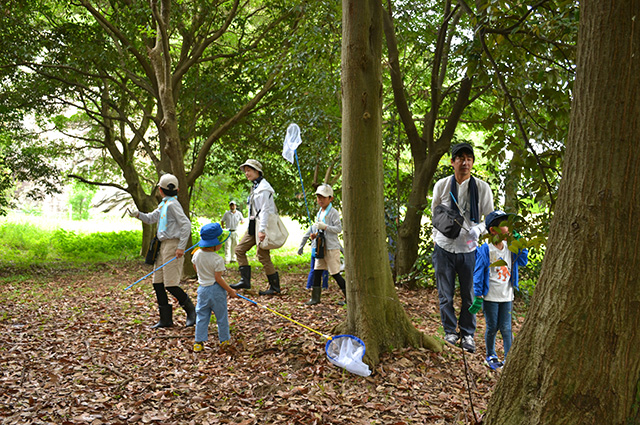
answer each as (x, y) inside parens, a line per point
(76, 348)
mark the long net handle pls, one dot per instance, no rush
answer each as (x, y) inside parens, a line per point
(153, 271)
(286, 317)
(304, 195)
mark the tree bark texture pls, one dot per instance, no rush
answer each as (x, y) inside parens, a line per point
(374, 311)
(577, 359)
(168, 87)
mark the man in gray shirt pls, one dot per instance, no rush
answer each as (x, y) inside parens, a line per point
(230, 220)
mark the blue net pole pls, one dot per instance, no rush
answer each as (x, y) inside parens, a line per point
(149, 274)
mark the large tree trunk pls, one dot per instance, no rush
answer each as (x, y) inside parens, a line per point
(160, 60)
(577, 359)
(374, 311)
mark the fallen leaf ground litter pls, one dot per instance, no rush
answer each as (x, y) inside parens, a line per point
(75, 348)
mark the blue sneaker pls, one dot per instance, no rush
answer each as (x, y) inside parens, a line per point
(493, 362)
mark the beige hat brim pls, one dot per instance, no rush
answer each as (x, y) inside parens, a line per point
(251, 163)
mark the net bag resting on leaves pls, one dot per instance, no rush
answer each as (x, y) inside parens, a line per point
(345, 351)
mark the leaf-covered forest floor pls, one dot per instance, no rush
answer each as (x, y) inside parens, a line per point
(75, 348)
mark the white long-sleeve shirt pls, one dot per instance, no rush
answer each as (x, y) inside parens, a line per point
(441, 195)
(232, 219)
(261, 202)
(178, 225)
(334, 227)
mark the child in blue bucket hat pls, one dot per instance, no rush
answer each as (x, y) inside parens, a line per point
(494, 281)
(212, 289)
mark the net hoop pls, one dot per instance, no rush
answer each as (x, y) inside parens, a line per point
(347, 352)
(326, 347)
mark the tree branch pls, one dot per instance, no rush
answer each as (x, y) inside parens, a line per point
(119, 38)
(93, 183)
(550, 60)
(436, 96)
(183, 66)
(462, 100)
(162, 37)
(520, 126)
(417, 144)
(198, 167)
(519, 22)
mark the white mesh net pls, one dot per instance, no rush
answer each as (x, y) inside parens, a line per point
(347, 351)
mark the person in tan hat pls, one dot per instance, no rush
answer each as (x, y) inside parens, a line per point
(174, 229)
(261, 204)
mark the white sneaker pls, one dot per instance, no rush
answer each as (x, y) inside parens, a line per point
(452, 338)
(468, 344)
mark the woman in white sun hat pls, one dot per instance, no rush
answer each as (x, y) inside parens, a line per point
(260, 205)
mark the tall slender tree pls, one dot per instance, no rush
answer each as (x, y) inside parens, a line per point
(374, 310)
(576, 360)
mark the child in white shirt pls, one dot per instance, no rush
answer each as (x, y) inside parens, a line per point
(212, 289)
(494, 280)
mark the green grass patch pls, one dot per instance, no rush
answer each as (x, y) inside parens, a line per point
(285, 261)
(291, 261)
(24, 244)
(15, 278)
(97, 246)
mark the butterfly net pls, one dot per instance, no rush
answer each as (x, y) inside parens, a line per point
(347, 351)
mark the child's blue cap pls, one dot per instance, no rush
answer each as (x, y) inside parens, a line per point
(495, 218)
(210, 235)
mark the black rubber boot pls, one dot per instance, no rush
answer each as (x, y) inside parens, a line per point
(185, 303)
(166, 312)
(161, 294)
(190, 309)
(343, 287)
(245, 278)
(274, 285)
(315, 295)
(166, 317)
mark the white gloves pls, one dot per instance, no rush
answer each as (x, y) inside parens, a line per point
(321, 226)
(475, 232)
(474, 235)
(132, 213)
